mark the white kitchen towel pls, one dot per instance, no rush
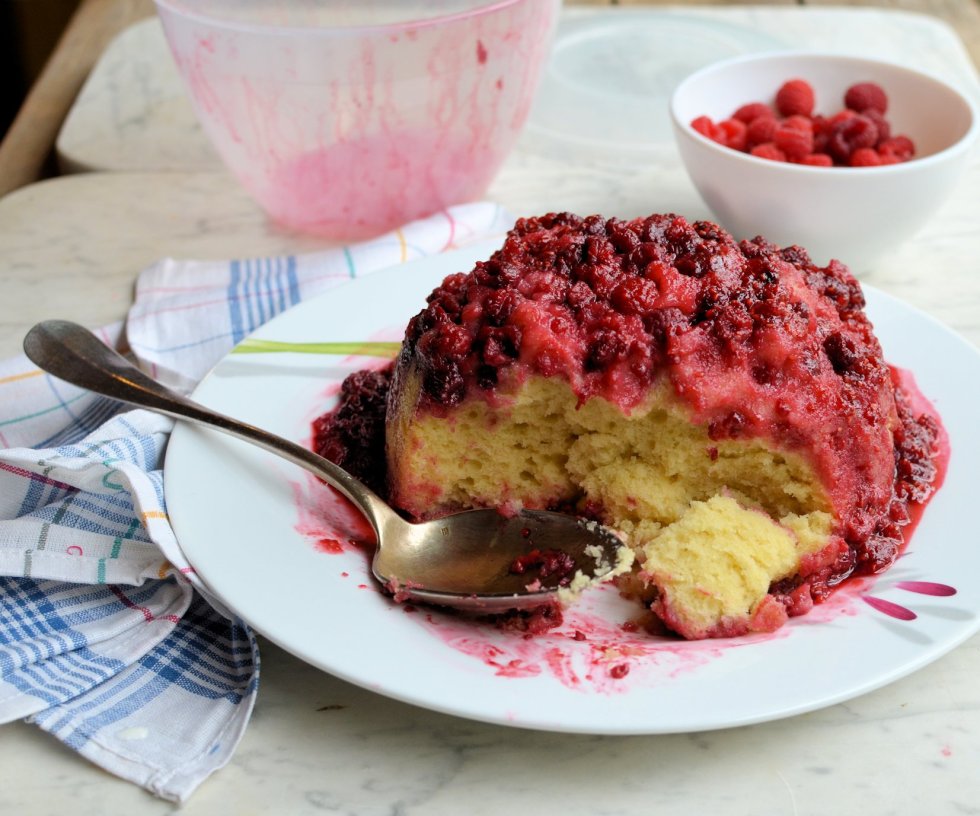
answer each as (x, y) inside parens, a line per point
(107, 641)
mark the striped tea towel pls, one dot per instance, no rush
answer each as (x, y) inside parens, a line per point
(106, 639)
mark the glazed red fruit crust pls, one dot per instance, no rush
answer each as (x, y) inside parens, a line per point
(353, 435)
(756, 340)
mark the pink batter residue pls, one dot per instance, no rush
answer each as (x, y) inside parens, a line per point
(400, 177)
(351, 137)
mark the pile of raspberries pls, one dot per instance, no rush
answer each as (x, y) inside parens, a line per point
(789, 131)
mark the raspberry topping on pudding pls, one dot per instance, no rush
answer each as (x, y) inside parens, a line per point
(352, 436)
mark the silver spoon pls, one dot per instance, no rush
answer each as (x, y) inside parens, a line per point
(465, 560)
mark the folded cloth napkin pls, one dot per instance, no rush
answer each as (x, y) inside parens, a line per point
(107, 640)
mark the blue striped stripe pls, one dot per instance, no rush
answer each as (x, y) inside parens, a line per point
(248, 301)
(117, 505)
(174, 662)
(234, 305)
(156, 481)
(38, 493)
(261, 285)
(95, 520)
(271, 291)
(86, 421)
(49, 660)
(293, 280)
(280, 285)
(95, 414)
(147, 445)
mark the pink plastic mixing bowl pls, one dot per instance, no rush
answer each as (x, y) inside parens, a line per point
(344, 118)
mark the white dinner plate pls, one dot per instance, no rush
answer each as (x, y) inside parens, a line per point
(257, 531)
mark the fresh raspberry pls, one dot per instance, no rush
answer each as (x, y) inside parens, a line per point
(842, 116)
(901, 147)
(795, 97)
(885, 157)
(706, 127)
(760, 130)
(850, 134)
(768, 150)
(733, 134)
(866, 95)
(884, 127)
(821, 132)
(817, 160)
(794, 138)
(865, 157)
(797, 122)
(747, 113)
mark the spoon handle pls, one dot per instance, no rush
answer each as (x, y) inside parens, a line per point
(75, 355)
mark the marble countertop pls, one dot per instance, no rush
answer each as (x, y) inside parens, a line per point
(72, 247)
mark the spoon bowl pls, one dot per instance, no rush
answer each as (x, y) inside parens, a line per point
(476, 560)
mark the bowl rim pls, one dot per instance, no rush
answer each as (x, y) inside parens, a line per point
(961, 145)
(180, 8)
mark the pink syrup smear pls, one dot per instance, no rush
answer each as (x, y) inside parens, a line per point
(330, 521)
(589, 651)
(365, 186)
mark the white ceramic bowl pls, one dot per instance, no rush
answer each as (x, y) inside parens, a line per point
(347, 118)
(853, 214)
